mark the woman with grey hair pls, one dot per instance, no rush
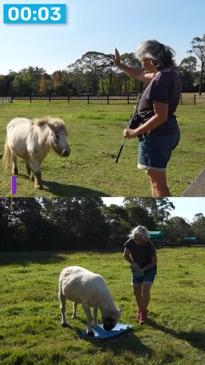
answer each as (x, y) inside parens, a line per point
(157, 129)
(141, 254)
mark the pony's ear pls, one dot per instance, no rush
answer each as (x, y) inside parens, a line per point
(41, 122)
(53, 126)
(56, 125)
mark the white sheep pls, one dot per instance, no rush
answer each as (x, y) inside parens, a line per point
(89, 289)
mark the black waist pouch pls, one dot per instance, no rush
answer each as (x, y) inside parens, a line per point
(138, 119)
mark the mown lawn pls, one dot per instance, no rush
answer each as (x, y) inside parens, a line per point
(30, 330)
(95, 133)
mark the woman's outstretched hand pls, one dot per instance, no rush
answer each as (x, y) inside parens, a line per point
(117, 59)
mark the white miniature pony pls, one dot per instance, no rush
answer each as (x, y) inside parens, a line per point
(31, 140)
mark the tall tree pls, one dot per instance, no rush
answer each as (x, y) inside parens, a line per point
(81, 221)
(27, 223)
(118, 222)
(5, 241)
(138, 215)
(178, 229)
(187, 70)
(27, 81)
(198, 227)
(158, 209)
(94, 65)
(198, 48)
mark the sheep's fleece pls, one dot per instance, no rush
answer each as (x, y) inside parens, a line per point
(89, 289)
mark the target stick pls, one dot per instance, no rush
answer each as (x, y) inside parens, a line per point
(128, 126)
(120, 151)
(122, 146)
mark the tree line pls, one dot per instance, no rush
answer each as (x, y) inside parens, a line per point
(88, 224)
(95, 73)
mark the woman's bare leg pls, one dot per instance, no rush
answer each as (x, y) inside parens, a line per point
(158, 181)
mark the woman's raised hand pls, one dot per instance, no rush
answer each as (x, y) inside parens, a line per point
(117, 58)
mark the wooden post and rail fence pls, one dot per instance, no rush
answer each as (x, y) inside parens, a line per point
(185, 99)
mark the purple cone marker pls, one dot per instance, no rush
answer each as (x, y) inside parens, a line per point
(13, 185)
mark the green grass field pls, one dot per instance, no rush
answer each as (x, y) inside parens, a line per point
(30, 330)
(95, 133)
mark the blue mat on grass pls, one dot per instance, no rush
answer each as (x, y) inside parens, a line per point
(100, 333)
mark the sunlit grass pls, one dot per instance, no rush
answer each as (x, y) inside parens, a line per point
(30, 330)
(95, 134)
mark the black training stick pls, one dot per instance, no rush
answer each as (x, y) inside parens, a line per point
(122, 146)
(129, 126)
(120, 151)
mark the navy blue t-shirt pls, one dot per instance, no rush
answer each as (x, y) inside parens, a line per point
(165, 87)
(141, 254)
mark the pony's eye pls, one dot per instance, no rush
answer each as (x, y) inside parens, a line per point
(57, 137)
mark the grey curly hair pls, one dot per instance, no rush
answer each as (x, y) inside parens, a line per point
(162, 55)
(139, 232)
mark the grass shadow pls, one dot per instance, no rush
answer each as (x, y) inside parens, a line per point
(121, 344)
(28, 258)
(118, 345)
(195, 338)
(64, 190)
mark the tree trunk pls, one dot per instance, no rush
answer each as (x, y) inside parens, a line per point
(201, 78)
(102, 85)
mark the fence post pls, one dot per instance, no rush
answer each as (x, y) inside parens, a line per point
(128, 99)
(88, 98)
(49, 98)
(108, 99)
(194, 99)
(12, 99)
(30, 99)
(68, 98)
(181, 100)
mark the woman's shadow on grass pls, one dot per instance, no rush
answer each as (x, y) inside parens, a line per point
(195, 338)
(64, 190)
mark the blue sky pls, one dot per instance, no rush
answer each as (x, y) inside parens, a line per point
(184, 207)
(101, 26)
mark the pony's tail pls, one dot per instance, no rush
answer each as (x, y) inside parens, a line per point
(6, 156)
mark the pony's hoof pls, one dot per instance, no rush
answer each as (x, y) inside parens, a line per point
(15, 171)
(39, 187)
(64, 324)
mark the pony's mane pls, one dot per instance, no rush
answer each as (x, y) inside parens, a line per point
(55, 122)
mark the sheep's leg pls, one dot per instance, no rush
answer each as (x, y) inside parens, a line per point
(14, 164)
(62, 308)
(37, 173)
(89, 319)
(74, 310)
(95, 312)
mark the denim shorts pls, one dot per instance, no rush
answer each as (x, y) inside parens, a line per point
(155, 150)
(147, 277)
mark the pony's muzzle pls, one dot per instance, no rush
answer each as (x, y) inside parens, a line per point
(66, 152)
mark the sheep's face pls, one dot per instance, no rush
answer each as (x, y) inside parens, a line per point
(109, 323)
